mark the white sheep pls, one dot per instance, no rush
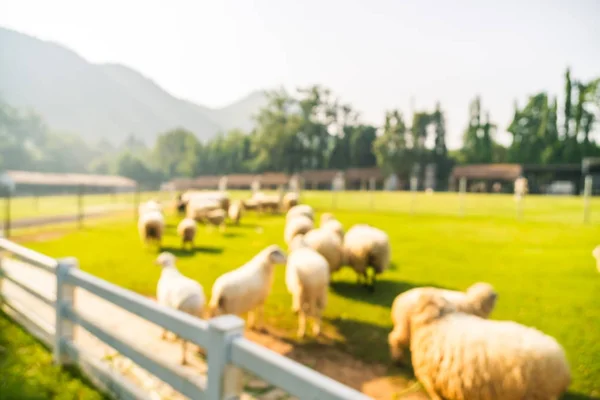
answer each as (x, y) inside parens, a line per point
(328, 244)
(596, 254)
(179, 292)
(216, 218)
(187, 230)
(479, 299)
(245, 289)
(367, 248)
(329, 222)
(307, 280)
(150, 205)
(151, 226)
(235, 211)
(300, 209)
(461, 356)
(198, 208)
(299, 225)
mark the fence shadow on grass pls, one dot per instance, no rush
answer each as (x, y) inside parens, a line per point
(187, 252)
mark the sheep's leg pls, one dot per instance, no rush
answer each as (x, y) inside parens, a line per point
(251, 319)
(372, 281)
(301, 323)
(317, 323)
(260, 316)
(296, 303)
(428, 385)
(183, 352)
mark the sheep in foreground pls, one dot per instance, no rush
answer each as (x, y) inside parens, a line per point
(151, 226)
(329, 222)
(296, 226)
(235, 211)
(479, 299)
(328, 245)
(300, 209)
(179, 292)
(367, 248)
(245, 289)
(596, 254)
(461, 356)
(187, 230)
(307, 280)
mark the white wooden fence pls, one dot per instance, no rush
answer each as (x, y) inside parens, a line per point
(227, 350)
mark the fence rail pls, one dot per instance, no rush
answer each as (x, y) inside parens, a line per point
(228, 351)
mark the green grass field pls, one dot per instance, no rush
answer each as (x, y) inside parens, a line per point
(27, 373)
(541, 266)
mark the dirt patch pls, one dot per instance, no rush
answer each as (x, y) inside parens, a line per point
(370, 378)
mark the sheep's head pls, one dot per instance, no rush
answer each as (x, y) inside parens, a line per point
(482, 298)
(275, 255)
(430, 306)
(326, 217)
(165, 259)
(396, 350)
(297, 243)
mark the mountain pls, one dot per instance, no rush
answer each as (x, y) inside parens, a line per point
(103, 101)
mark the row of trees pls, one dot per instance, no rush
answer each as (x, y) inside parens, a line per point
(312, 129)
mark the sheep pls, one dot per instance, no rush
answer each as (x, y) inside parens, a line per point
(150, 205)
(179, 292)
(461, 356)
(290, 200)
(235, 211)
(596, 255)
(198, 209)
(329, 246)
(187, 230)
(151, 226)
(366, 247)
(329, 222)
(307, 280)
(479, 299)
(245, 289)
(250, 204)
(296, 226)
(300, 209)
(216, 218)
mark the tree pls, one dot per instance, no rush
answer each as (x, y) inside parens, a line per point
(478, 142)
(361, 146)
(394, 148)
(176, 153)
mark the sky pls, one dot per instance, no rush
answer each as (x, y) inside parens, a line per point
(374, 54)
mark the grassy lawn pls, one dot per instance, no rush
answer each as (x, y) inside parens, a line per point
(43, 206)
(542, 266)
(27, 373)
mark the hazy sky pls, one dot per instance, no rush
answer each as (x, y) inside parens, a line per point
(375, 54)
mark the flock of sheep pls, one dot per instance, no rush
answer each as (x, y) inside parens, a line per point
(456, 352)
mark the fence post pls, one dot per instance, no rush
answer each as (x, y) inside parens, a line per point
(587, 193)
(462, 188)
(414, 184)
(65, 299)
(224, 381)
(136, 201)
(80, 207)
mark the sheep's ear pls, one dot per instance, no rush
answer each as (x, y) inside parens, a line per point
(277, 256)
